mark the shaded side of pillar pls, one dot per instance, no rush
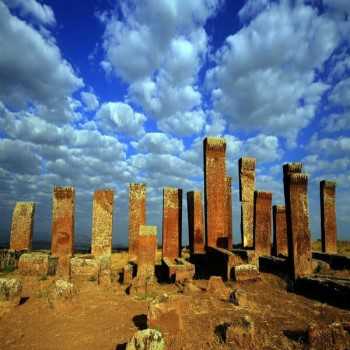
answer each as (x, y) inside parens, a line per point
(172, 222)
(137, 215)
(195, 222)
(328, 216)
(300, 254)
(228, 210)
(214, 152)
(262, 223)
(280, 241)
(102, 222)
(63, 217)
(246, 174)
(22, 226)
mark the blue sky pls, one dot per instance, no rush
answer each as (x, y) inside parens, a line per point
(98, 94)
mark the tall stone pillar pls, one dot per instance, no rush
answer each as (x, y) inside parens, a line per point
(246, 174)
(137, 215)
(172, 222)
(280, 241)
(328, 216)
(299, 251)
(22, 226)
(102, 222)
(195, 222)
(228, 210)
(146, 252)
(262, 223)
(214, 151)
(63, 208)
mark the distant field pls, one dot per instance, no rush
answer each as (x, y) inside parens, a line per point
(343, 247)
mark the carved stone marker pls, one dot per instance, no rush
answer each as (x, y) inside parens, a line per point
(195, 222)
(246, 174)
(262, 223)
(172, 222)
(299, 250)
(63, 208)
(214, 150)
(280, 241)
(22, 226)
(146, 252)
(328, 217)
(102, 222)
(228, 210)
(137, 215)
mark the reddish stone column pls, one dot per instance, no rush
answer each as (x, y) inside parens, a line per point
(102, 222)
(146, 252)
(214, 189)
(300, 254)
(137, 215)
(22, 226)
(246, 174)
(280, 241)
(195, 222)
(262, 223)
(172, 222)
(228, 210)
(328, 216)
(63, 208)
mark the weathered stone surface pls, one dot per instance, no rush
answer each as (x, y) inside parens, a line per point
(137, 215)
(241, 334)
(172, 222)
(128, 273)
(64, 289)
(22, 226)
(178, 269)
(84, 269)
(217, 287)
(9, 259)
(298, 222)
(214, 150)
(262, 223)
(146, 252)
(280, 240)
(319, 266)
(247, 224)
(102, 222)
(333, 336)
(228, 210)
(34, 264)
(195, 222)
(336, 261)
(328, 216)
(238, 297)
(63, 267)
(63, 208)
(10, 290)
(245, 272)
(105, 270)
(166, 317)
(246, 174)
(147, 339)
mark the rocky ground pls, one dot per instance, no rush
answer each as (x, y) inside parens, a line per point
(262, 314)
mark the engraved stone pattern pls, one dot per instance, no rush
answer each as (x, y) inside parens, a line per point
(247, 223)
(195, 222)
(63, 208)
(262, 223)
(214, 188)
(172, 222)
(22, 226)
(301, 256)
(146, 252)
(228, 210)
(328, 217)
(280, 241)
(137, 215)
(102, 222)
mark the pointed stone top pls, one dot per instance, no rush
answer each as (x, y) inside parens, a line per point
(263, 194)
(295, 167)
(247, 163)
(328, 184)
(215, 143)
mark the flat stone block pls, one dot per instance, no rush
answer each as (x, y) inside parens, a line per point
(336, 261)
(245, 272)
(84, 269)
(10, 290)
(36, 264)
(178, 269)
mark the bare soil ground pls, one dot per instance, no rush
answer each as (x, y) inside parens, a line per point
(99, 318)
